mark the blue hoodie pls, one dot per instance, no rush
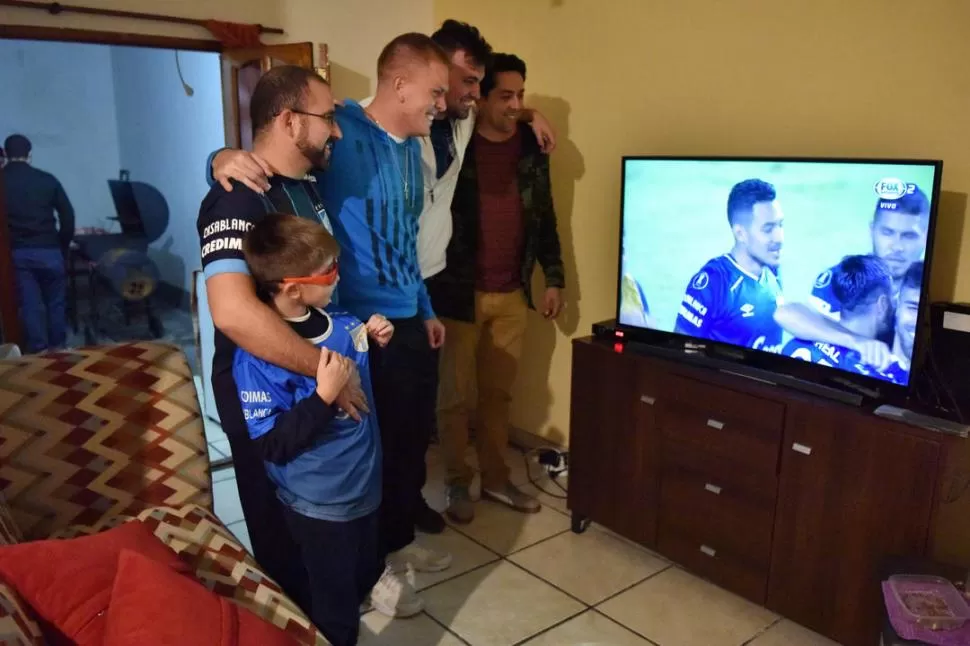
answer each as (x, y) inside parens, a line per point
(374, 219)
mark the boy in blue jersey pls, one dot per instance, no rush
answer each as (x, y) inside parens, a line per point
(863, 286)
(325, 464)
(899, 228)
(733, 298)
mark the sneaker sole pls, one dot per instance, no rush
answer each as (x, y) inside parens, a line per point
(402, 566)
(398, 613)
(429, 569)
(504, 501)
(458, 519)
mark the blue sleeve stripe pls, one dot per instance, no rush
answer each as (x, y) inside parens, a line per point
(226, 266)
(210, 180)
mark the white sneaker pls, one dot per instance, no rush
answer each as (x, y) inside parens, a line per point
(393, 596)
(421, 558)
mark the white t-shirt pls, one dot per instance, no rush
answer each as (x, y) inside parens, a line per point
(434, 225)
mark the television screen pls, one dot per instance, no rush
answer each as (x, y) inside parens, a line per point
(812, 260)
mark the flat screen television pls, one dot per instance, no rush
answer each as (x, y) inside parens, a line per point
(816, 269)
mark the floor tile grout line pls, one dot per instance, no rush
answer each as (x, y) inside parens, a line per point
(552, 627)
(761, 632)
(630, 587)
(446, 628)
(458, 529)
(537, 543)
(568, 594)
(461, 574)
(624, 626)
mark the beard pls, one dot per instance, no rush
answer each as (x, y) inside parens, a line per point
(318, 156)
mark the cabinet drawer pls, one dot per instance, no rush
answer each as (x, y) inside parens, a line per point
(742, 429)
(723, 402)
(713, 563)
(732, 519)
(761, 482)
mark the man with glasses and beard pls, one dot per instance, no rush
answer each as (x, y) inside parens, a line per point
(292, 111)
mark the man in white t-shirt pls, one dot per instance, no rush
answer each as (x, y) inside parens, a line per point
(442, 154)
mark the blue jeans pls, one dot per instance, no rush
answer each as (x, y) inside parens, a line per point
(42, 297)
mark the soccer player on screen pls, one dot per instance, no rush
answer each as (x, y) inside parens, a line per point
(733, 298)
(907, 311)
(863, 286)
(899, 229)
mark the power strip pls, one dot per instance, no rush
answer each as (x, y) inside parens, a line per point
(556, 463)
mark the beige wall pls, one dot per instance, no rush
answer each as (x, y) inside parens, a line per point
(750, 77)
(355, 30)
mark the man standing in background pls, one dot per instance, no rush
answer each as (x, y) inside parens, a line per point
(39, 243)
(504, 221)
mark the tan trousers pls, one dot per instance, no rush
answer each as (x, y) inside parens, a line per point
(486, 351)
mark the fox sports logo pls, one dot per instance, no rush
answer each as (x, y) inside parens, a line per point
(891, 188)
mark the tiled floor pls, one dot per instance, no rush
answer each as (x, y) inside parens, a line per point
(527, 579)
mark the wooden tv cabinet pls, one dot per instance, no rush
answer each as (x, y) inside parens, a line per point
(787, 499)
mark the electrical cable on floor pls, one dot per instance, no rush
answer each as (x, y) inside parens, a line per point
(561, 457)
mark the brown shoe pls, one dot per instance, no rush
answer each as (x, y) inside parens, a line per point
(461, 509)
(511, 496)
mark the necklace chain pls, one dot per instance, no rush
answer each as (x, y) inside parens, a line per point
(406, 174)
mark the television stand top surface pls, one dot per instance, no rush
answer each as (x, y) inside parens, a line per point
(923, 420)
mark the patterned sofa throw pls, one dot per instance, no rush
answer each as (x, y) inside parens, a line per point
(96, 434)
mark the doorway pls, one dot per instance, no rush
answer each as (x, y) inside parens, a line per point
(123, 130)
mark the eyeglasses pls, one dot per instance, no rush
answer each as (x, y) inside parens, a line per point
(326, 279)
(328, 117)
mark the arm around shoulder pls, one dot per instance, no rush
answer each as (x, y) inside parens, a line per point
(281, 427)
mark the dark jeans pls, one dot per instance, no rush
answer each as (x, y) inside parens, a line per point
(273, 545)
(404, 376)
(343, 562)
(42, 297)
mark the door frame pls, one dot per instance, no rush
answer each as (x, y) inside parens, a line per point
(9, 321)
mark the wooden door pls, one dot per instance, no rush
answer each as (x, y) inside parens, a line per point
(241, 69)
(854, 490)
(10, 331)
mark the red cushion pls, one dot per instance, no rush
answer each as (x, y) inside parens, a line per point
(68, 582)
(152, 605)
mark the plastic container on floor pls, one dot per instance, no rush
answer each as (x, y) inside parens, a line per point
(930, 601)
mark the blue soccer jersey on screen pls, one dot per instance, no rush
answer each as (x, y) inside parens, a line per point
(837, 356)
(897, 374)
(727, 304)
(823, 297)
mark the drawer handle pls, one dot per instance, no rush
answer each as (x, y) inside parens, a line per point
(713, 423)
(709, 551)
(801, 448)
(714, 489)
(648, 400)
